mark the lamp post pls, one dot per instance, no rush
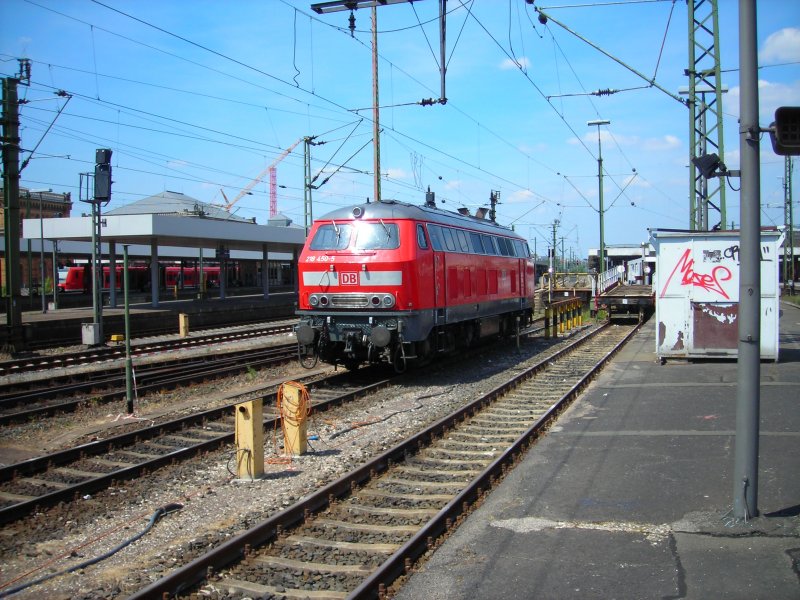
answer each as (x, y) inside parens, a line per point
(55, 273)
(599, 122)
(41, 254)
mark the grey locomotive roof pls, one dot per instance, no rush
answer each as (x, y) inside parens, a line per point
(394, 209)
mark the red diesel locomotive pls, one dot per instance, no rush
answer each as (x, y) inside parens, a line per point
(394, 282)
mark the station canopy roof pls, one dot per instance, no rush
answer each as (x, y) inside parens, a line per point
(172, 221)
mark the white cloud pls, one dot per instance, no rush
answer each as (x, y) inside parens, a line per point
(520, 196)
(454, 184)
(396, 174)
(666, 142)
(521, 62)
(781, 46)
(770, 96)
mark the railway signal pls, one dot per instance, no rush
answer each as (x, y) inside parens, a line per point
(785, 131)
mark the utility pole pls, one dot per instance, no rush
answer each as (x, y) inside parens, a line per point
(788, 244)
(555, 244)
(748, 392)
(599, 122)
(352, 6)
(308, 211)
(11, 221)
(376, 116)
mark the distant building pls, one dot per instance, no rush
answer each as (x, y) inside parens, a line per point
(33, 204)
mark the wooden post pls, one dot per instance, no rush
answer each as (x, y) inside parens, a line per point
(548, 312)
(183, 325)
(250, 440)
(295, 426)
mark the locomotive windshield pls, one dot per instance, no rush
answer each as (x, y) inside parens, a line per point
(377, 236)
(332, 237)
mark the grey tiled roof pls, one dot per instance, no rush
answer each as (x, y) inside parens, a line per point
(175, 203)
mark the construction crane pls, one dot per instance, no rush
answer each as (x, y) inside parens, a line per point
(273, 183)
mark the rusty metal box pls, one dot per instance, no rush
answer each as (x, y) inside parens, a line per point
(697, 293)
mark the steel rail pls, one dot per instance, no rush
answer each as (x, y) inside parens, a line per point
(191, 370)
(237, 547)
(43, 344)
(40, 464)
(73, 359)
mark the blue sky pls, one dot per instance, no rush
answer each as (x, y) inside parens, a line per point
(201, 96)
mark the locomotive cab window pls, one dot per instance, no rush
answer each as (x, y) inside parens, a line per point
(489, 245)
(421, 241)
(436, 237)
(477, 244)
(462, 240)
(449, 242)
(332, 236)
(377, 236)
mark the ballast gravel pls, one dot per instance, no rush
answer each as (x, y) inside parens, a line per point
(214, 505)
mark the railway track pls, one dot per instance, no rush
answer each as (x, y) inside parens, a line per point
(356, 536)
(63, 394)
(90, 356)
(66, 392)
(72, 473)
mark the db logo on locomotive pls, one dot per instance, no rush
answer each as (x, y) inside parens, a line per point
(348, 278)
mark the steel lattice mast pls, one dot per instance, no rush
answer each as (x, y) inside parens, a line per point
(705, 110)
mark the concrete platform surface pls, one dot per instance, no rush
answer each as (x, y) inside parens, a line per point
(628, 496)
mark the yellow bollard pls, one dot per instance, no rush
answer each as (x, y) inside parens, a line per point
(250, 440)
(183, 325)
(547, 316)
(294, 406)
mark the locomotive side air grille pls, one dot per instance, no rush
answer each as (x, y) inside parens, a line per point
(349, 301)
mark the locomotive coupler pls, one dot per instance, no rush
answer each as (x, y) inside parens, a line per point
(348, 343)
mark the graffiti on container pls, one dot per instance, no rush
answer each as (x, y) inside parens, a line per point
(732, 252)
(717, 256)
(711, 282)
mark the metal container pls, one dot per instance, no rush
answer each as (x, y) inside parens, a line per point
(697, 293)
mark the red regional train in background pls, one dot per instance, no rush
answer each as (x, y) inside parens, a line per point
(394, 282)
(79, 278)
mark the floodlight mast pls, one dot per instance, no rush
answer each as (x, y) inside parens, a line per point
(597, 123)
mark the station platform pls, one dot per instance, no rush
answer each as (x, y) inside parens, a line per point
(64, 325)
(628, 495)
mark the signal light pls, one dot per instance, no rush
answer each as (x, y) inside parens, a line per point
(785, 131)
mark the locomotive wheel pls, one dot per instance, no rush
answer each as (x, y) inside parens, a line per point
(307, 361)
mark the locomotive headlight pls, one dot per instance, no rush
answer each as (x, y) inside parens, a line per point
(388, 301)
(323, 301)
(313, 300)
(375, 301)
